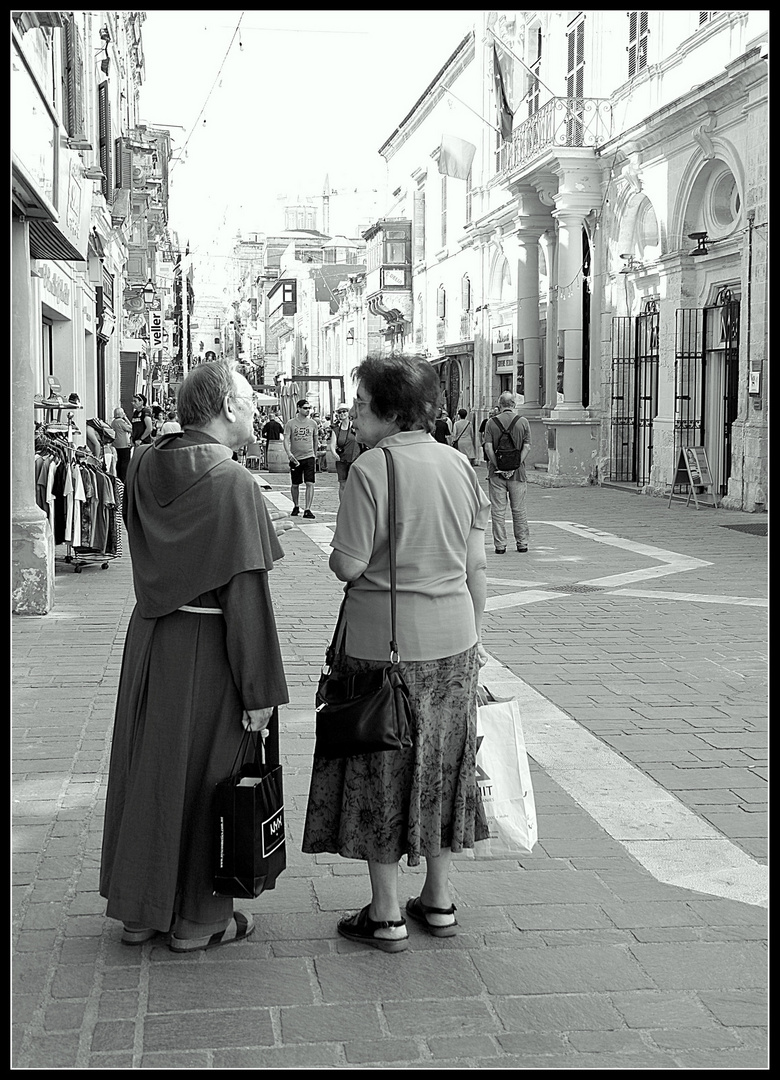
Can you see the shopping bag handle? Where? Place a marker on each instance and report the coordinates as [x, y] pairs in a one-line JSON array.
[[259, 752]]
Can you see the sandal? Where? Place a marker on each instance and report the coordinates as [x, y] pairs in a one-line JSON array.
[[138, 937], [423, 914], [239, 927], [387, 936]]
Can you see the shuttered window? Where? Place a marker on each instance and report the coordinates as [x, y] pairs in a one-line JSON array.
[[105, 146], [444, 211], [637, 41], [468, 198], [73, 79], [575, 81]]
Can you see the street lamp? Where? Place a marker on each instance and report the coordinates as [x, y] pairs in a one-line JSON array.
[[149, 293]]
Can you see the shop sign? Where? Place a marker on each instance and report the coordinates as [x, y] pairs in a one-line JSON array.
[[34, 129], [156, 326], [502, 339], [56, 287]]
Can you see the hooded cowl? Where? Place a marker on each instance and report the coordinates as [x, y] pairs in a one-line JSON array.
[[195, 518]]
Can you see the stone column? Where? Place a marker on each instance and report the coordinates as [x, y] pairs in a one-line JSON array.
[[569, 282], [32, 555], [528, 351]]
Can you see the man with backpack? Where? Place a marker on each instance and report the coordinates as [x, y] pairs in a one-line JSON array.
[[507, 445]]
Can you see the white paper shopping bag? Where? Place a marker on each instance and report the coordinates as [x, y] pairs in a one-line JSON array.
[[504, 776]]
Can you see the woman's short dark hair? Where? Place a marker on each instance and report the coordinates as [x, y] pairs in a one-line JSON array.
[[140, 397], [401, 385], [203, 392]]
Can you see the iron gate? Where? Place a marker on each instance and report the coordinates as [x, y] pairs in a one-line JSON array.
[[634, 394], [706, 381]]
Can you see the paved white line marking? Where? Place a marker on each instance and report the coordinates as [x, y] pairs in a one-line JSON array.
[[673, 843], [701, 598]]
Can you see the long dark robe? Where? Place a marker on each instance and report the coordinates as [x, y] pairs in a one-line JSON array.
[[186, 678]]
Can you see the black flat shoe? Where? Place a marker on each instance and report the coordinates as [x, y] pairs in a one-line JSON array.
[[387, 936], [421, 913]]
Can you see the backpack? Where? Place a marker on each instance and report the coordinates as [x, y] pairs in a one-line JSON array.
[[507, 454]]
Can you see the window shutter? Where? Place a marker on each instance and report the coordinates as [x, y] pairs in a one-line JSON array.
[[104, 132], [465, 294], [444, 211], [441, 302], [124, 163], [419, 226], [73, 79]]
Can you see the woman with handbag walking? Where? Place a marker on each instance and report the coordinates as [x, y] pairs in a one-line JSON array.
[[420, 802]]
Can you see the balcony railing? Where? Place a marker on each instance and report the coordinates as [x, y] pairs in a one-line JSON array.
[[560, 122]]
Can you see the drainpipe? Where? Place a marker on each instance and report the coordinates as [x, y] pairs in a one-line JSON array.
[[751, 217]]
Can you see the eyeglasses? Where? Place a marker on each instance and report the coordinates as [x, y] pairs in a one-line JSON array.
[[304, 406]]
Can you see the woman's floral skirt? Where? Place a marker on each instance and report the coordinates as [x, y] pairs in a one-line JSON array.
[[409, 802]]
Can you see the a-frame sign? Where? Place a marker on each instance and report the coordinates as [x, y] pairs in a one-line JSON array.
[[693, 469]]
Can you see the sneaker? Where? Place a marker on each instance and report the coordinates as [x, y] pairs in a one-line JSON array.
[[295, 511], [387, 936], [308, 514], [500, 551], [521, 548]]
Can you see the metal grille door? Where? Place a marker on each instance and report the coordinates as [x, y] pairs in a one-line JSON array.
[[634, 395]]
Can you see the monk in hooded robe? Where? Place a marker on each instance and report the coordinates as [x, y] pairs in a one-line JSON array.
[[201, 664]]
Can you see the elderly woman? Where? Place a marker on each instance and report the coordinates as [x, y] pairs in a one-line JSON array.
[[422, 802]]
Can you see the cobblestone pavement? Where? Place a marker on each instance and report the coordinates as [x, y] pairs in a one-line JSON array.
[[634, 635]]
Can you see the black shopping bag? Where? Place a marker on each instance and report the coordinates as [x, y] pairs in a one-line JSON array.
[[249, 828]]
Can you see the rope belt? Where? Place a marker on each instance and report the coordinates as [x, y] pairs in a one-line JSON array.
[[201, 610]]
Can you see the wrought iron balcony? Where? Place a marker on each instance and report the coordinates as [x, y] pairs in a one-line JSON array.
[[561, 122]]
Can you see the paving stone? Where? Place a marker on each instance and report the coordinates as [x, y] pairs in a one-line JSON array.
[[607, 1042], [67, 1016], [452, 1017], [381, 1050], [712, 1037], [113, 1035], [653, 913], [703, 966], [329, 1023], [177, 987], [574, 969], [661, 1009], [50, 1052], [440, 974], [277, 1057], [558, 916], [737, 1008], [210, 1029]]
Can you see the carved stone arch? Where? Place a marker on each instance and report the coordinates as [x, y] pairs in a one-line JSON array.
[[687, 212], [500, 278]]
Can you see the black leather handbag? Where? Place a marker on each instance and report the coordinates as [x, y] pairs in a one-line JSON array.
[[364, 712]]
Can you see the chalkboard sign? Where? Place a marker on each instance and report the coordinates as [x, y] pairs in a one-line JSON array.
[[693, 469]]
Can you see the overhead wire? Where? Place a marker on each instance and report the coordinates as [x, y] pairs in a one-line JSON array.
[[236, 34]]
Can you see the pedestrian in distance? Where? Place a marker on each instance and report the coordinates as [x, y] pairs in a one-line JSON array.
[[201, 664], [141, 420], [508, 484], [343, 444], [442, 427], [123, 429], [272, 431], [301, 435], [170, 424], [422, 803], [463, 436], [493, 412]]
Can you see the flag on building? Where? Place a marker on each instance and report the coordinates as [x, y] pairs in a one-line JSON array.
[[503, 111], [455, 157]]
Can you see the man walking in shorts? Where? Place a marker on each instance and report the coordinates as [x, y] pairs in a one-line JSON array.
[[300, 444]]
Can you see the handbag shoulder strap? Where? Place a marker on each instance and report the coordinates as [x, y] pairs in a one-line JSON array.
[[394, 656], [330, 652]]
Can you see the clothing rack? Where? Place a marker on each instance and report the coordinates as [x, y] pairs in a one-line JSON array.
[[57, 439]]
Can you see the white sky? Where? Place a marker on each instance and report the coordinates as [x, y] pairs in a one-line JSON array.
[[305, 94]]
